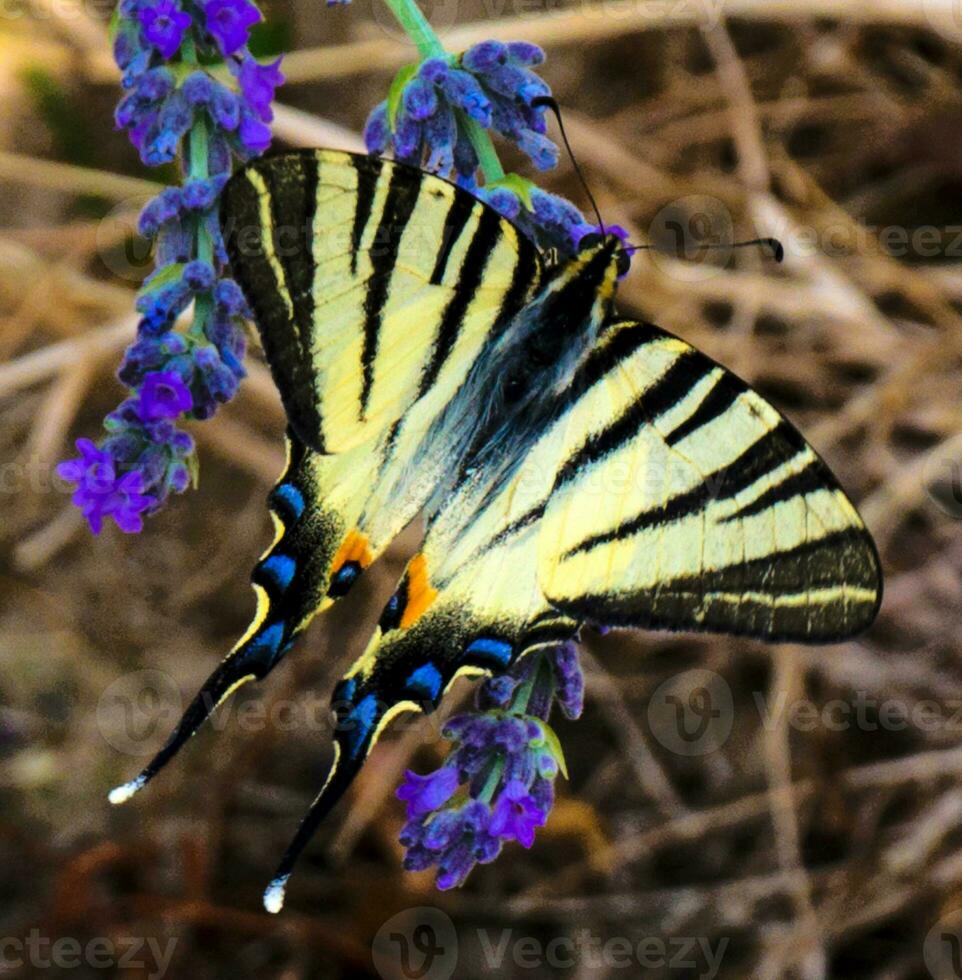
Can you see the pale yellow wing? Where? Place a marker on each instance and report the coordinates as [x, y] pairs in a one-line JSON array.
[[685, 501], [372, 283]]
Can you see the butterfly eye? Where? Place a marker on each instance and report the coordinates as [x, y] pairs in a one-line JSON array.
[[591, 240], [624, 263]]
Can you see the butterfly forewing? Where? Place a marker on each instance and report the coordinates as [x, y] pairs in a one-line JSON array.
[[685, 501], [372, 283]]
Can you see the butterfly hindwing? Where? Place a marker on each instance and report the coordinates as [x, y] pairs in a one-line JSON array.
[[685, 501], [372, 283]]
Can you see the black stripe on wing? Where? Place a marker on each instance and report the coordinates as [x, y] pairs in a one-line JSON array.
[[293, 203], [368, 170], [721, 397], [754, 598], [483, 242], [688, 369], [813, 477], [776, 447], [455, 222], [250, 247], [402, 196]]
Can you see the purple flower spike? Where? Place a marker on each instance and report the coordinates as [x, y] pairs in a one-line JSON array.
[[257, 83], [229, 22], [164, 24], [100, 494], [163, 395], [426, 793], [377, 131], [516, 815], [569, 679], [254, 136], [143, 457]]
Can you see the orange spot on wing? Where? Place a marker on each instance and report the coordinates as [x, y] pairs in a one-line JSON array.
[[354, 547], [420, 593]]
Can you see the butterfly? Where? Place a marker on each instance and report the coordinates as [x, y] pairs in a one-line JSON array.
[[571, 465]]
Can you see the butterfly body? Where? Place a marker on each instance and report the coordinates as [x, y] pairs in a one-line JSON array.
[[570, 465]]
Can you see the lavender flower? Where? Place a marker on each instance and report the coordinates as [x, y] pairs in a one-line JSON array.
[[423, 121], [163, 26], [160, 46], [497, 785], [490, 83], [229, 22]]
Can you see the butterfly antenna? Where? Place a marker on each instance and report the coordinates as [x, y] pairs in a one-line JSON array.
[[547, 102], [773, 244]]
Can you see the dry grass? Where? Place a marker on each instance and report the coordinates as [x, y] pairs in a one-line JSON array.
[[816, 841]]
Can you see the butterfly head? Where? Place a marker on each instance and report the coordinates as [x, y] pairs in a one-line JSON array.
[[608, 245]]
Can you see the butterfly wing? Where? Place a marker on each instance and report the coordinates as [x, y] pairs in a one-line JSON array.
[[372, 283], [374, 287], [468, 604], [685, 501]]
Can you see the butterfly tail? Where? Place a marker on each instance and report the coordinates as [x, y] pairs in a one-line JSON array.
[[246, 663], [353, 741]]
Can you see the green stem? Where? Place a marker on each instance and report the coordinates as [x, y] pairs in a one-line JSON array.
[[417, 28], [491, 783], [519, 702], [197, 169], [487, 154]]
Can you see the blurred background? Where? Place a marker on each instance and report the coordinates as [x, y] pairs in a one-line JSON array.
[[734, 809]]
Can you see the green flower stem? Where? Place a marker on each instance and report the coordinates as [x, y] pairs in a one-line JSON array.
[[491, 783], [519, 702], [429, 45], [487, 154], [197, 169]]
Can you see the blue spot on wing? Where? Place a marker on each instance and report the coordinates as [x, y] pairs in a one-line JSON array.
[[425, 681], [268, 640], [359, 723], [344, 578], [281, 569], [489, 649], [344, 691], [291, 498]]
